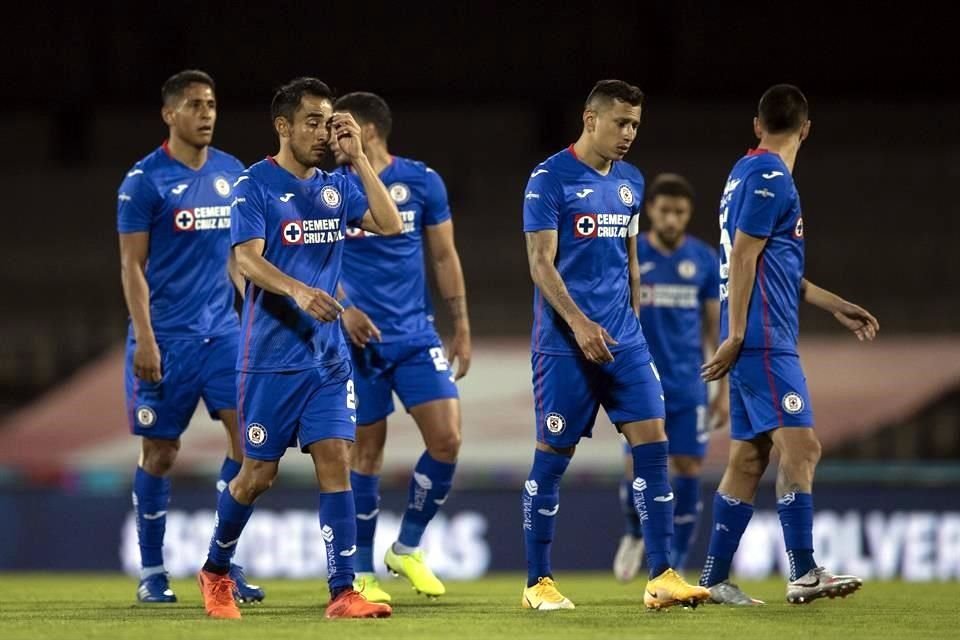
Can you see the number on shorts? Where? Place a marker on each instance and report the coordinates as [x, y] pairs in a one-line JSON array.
[[439, 359], [351, 396]]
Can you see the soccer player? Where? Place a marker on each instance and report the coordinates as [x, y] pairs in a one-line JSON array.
[[395, 347], [761, 285], [173, 219], [580, 217], [679, 308], [294, 373]]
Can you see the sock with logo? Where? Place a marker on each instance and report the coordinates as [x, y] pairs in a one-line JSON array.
[[428, 490], [630, 517], [796, 520], [653, 500], [685, 514], [366, 499], [228, 471], [541, 502], [338, 530], [151, 495], [730, 519], [231, 519]]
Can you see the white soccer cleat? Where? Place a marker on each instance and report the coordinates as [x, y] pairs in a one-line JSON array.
[[819, 583], [626, 564]]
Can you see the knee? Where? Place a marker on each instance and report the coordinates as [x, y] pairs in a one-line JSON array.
[[445, 448], [366, 457], [251, 482], [158, 456], [752, 465], [689, 466], [803, 457]]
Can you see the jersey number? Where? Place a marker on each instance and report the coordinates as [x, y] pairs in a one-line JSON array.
[[726, 246], [439, 359], [351, 396]]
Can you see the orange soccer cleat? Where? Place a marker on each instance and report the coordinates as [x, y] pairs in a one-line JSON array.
[[352, 604], [217, 593]]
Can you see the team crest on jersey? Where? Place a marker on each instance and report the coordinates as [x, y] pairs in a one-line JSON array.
[[222, 186], [292, 232], [585, 225], [792, 403], [626, 195], [183, 220], [798, 230], [146, 417], [256, 434], [399, 192], [555, 423], [330, 197], [687, 269]]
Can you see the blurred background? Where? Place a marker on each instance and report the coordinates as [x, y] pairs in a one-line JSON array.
[[482, 93]]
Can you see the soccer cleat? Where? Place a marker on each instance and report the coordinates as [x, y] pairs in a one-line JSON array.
[[369, 586], [669, 589], [727, 592], [544, 596], [155, 589], [352, 604], [243, 591], [413, 567], [626, 564], [217, 594], [818, 583]]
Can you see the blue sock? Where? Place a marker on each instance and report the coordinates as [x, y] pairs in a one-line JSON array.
[[653, 500], [730, 519], [231, 519], [338, 529], [541, 501], [151, 495], [366, 499], [685, 515], [796, 520], [630, 516], [228, 471], [428, 490]]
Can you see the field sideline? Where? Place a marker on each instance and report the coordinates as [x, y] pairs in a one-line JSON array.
[[34, 606]]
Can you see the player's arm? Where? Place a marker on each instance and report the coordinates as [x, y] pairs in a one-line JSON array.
[[742, 275], [719, 410], [541, 254], [449, 273], [852, 316], [255, 268], [358, 325], [134, 249], [235, 276], [634, 262]]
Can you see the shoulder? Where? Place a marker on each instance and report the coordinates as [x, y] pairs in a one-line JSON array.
[[701, 249], [147, 168], [552, 171], [629, 172], [224, 161]]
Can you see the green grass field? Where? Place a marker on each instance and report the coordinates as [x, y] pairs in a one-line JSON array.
[[101, 606]]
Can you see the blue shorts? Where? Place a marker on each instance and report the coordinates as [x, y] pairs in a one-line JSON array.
[[192, 368], [687, 433], [416, 369], [767, 390], [279, 408], [568, 391]]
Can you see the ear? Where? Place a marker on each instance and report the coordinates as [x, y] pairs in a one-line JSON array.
[[589, 120], [757, 131], [281, 126], [166, 113], [805, 130]]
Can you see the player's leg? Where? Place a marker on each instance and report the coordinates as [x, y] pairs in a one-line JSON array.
[[629, 556], [688, 436]]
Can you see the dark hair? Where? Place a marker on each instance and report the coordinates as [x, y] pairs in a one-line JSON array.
[[610, 90], [670, 184], [288, 97], [783, 109], [178, 82], [367, 107]]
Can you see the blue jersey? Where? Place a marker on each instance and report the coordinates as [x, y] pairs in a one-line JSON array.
[[302, 223], [592, 214], [187, 214], [761, 200], [385, 276], [673, 291]]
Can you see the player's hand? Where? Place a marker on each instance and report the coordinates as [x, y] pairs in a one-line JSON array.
[[722, 360], [146, 361], [459, 351], [593, 340], [858, 320], [359, 327], [347, 132], [718, 413], [318, 303]]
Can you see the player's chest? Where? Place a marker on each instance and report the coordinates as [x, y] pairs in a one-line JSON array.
[[305, 216], [196, 204], [598, 210], [671, 283]]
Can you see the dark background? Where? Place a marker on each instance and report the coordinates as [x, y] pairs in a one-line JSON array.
[[482, 93]]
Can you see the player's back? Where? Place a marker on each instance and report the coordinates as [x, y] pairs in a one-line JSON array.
[[593, 215], [302, 223], [760, 199], [186, 211], [385, 277]]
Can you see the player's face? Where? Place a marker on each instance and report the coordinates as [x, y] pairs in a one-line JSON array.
[[309, 133], [615, 128], [192, 114], [669, 217]]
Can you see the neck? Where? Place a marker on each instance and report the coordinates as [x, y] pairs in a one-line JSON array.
[[785, 146], [190, 155], [660, 243], [378, 155], [587, 155], [285, 159]]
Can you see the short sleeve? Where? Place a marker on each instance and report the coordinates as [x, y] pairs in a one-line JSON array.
[[436, 209], [247, 215], [137, 202], [764, 201], [542, 201], [710, 289], [355, 203], [633, 229]]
